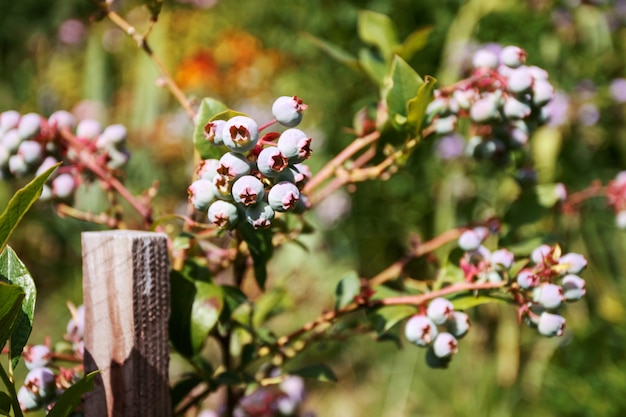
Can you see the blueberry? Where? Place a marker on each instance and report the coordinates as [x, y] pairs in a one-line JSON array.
[[484, 58], [469, 240], [516, 109], [440, 310], [295, 145], [40, 381], [62, 119], [36, 356], [620, 219], [28, 400], [519, 80], [550, 296], [464, 98], [513, 56], [76, 326], [9, 119], [502, 257], [207, 169], [283, 196], [445, 125], [542, 92], [214, 132], [18, 166], [434, 361], [223, 214], [271, 161], [63, 186], [248, 190], [459, 324], [260, 215], [485, 109], [574, 262], [288, 110], [201, 194], [445, 345], [551, 324], [420, 330], [527, 279], [88, 129], [117, 158], [233, 165], [113, 135], [240, 134], [573, 287], [31, 151], [222, 187], [541, 254], [30, 125], [11, 140]]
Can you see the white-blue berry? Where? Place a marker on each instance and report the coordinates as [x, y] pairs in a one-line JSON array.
[[223, 214], [573, 287], [11, 140], [283, 196], [41, 382], [201, 194], [32, 151], [519, 80], [113, 135], [484, 58], [551, 324], [62, 119], [37, 356], [540, 254], [459, 324], [214, 132], [515, 109], [240, 134], [512, 56], [574, 262], [18, 166], [28, 400], [440, 310], [549, 296], [63, 186], [260, 215], [445, 345], [88, 129], [469, 240], [222, 186], [271, 161], [46, 165], [295, 145], [207, 169], [445, 125], [288, 110], [29, 126], [248, 190], [9, 119], [542, 92], [526, 279], [503, 258], [485, 109], [233, 165], [420, 330]]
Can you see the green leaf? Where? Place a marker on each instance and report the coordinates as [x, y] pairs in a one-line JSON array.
[[261, 250], [547, 194], [378, 30], [11, 297], [417, 105], [320, 372], [348, 287], [415, 42], [5, 404], [229, 378], [401, 85], [19, 205], [233, 298], [372, 65], [334, 51], [67, 402], [13, 271], [468, 300], [182, 290], [268, 305], [385, 318], [209, 107], [154, 6], [206, 308]]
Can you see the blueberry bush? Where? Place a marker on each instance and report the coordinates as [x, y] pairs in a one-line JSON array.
[[382, 209]]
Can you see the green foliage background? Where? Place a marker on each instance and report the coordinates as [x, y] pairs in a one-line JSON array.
[[502, 369]]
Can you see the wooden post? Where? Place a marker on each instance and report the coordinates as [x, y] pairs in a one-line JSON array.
[[126, 298]]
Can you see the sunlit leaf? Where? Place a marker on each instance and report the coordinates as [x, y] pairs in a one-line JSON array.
[[71, 397], [417, 105], [385, 318], [209, 107], [348, 287], [206, 308], [401, 85], [13, 271], [378, 30], [415, 42], [19, 205]]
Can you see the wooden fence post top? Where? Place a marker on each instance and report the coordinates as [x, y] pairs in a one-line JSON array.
[[126, 298]]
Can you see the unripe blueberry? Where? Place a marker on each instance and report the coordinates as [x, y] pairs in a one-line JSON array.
[[473, 144], [303, 204], [459, 324], [248, 190], [518, 133], [484, 58], [573, 287], [117, 158], [574, 261], [201, 194], [540, 254], [30, 125], [494, 276], [440, 310], [112, 135], [222, 187], [295, 145], [437, 106], [214, 132], [435, 361], [550, 296], [519, 80], [62, 119], [207, 169], [36, 356], [233, 165], [271, 161], [469, 240], [11, 140], [283, 196], [526, 279], [445, 345], [512, 56], [260, 215], [293, 386], [9, 119], [88, 129], [63, 186], [464, 98], [31, 151], [445, 125], [240, 134], [551, 324], [304, 174], [46, 165], [485, 109], [41, 382], [420, 330], [28, 400], [538, 73], [17, 165], [46, 193], [515, 109], [542, 93], [502, 257], [223, 214], [288, 110]]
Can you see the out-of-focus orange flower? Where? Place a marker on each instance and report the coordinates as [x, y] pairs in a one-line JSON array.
[[197, 71]]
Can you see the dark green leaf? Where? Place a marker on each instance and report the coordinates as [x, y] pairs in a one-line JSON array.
[[19, 205], [373, 65], [72, 396], [11, 297], [385, 318], [320, 372], [348, 288], [182, 388], [5, 404], [417, 105], [155, 8], [334, 51], [378, 30], [229, 378], [261, 250], [13, 271], [183, 292], [206, 308], [208, 109], [401, 85], [415, 42], [233, 298]]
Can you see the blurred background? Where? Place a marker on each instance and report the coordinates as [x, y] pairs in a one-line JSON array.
[[56, 55]]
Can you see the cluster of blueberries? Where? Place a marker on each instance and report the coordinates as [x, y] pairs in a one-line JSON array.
[[503, 98], [258, 175], [46, 380], [31, 143], [547, 281]]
